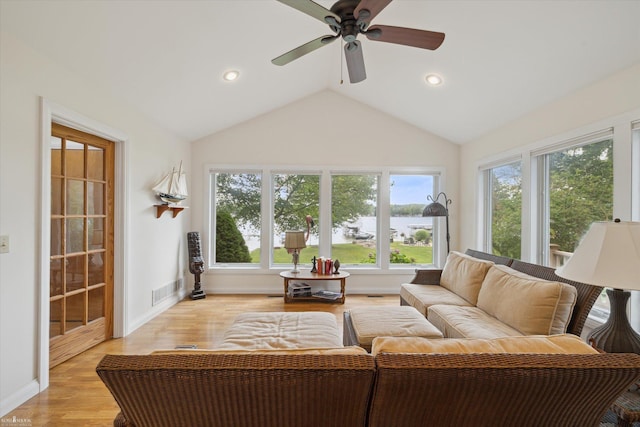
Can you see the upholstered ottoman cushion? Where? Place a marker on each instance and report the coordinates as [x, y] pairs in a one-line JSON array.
[[279, 330], [394, 321]]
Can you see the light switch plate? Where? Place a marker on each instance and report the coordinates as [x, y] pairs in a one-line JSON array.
[[4, 244]]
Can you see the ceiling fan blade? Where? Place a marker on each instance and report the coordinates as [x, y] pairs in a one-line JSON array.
[[312, 9], [303, 50], [355, 62], [372, 6], [407, 36]]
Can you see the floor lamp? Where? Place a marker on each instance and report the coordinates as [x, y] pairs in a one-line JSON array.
[[609, 255], [437, 209]]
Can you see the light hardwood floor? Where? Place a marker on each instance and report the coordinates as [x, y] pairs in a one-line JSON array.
[[77, 397]]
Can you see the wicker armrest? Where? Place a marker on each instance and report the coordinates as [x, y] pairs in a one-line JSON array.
[[427, 277]]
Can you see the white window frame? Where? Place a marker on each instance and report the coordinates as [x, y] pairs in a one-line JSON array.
[[325, 172]]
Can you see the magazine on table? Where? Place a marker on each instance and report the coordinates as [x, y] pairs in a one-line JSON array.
[[327, 295]]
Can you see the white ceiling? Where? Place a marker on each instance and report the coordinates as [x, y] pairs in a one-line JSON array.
[[500, 59]]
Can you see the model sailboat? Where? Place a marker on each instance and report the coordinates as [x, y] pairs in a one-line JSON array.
[[172, 188]]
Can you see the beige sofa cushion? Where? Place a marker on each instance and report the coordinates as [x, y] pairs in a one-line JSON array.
[[468, 322], [352, 349], [554, 344], [423, 296], [531, 305], [280, 330], [396, 321], [463, 275]]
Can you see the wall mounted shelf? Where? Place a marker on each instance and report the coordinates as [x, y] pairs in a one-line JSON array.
[[160, 209]]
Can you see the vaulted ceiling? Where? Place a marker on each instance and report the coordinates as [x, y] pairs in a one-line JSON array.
[[500, 59]]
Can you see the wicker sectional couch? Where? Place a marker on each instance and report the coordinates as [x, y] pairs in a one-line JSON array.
[[524, 381], [479, 295]]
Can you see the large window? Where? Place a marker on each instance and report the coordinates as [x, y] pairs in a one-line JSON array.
[[504, 210], [238, 217], [367, 220], [354, 218], [411, 239]]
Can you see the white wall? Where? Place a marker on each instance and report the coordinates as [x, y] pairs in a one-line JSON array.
[[351, 135], [591, 106], [156, 247]]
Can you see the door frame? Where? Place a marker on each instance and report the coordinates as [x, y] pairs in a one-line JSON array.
[[52, 112]]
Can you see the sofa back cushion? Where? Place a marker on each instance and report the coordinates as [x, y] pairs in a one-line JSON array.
[[540, 344], [531, 305], [463, 275]]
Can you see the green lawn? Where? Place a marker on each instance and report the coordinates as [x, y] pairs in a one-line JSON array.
[[350, 253]]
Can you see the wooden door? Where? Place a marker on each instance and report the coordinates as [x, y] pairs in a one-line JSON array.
[[81, 264]]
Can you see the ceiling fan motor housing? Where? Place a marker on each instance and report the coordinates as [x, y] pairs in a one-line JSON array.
[[349, 28]]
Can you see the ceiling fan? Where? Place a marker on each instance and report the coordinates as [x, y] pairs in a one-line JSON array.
[[347, 19]]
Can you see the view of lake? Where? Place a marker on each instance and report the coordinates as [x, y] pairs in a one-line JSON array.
[[367, 224]]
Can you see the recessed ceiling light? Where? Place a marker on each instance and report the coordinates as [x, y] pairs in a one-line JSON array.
[[433, 79], [231, 75]]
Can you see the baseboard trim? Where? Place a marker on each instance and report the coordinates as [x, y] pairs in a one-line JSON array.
[[18, 398]]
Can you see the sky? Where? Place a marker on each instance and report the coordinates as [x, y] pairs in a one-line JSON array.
[[407, 189]]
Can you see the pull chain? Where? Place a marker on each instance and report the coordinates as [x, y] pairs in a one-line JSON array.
[[341, 62]]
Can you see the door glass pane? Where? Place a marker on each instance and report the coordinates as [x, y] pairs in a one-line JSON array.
[[74, 311], [96, 268], [96, 303], [75, 235], [75, 197], [55, 318], [56, 236], [411, 233], [506, 210], [95, 159], [56, 156], [74, 160], [354, 219], [96, 233], [75, 272], [56, 196], [238, 217], [295, 197], [95, 198], [56, 277]]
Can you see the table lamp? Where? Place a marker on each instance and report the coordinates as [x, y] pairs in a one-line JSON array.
[[437, 209], [293, 242], [609, 255]]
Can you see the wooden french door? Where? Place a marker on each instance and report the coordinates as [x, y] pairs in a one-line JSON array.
[[81, 264]]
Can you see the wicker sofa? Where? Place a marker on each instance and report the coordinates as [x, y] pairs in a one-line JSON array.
[[479, 383], [468, 310]]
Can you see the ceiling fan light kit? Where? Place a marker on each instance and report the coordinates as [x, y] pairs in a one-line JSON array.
[[348, 19]]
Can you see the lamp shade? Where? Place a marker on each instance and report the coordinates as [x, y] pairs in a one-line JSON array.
[[294, 240], [608, 255], [434, 209]]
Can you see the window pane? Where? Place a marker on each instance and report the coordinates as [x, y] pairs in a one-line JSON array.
[[353, 218], [294, 197], [580, 192], [238, 217], [411, 233], [505, 183]]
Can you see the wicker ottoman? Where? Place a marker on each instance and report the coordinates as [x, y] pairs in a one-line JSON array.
[[282, 330], [362, 325]]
